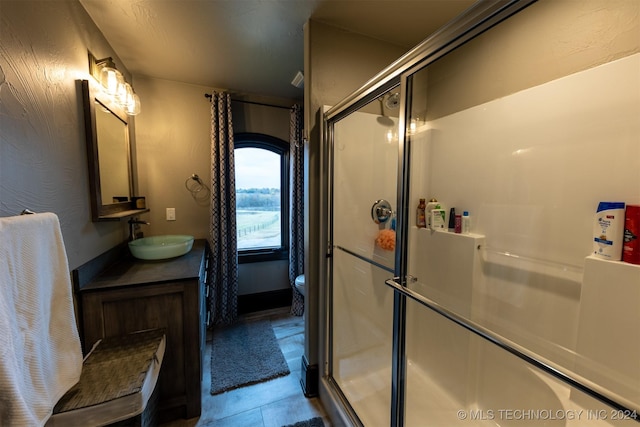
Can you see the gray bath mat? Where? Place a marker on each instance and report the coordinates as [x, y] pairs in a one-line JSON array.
[[245, 353], [313, 422]]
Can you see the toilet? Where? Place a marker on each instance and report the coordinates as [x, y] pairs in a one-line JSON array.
[[300, 286]]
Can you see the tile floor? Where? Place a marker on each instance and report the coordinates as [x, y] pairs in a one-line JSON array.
[[272, 403]]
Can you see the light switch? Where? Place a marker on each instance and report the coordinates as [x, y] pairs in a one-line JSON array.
[[171, 214]]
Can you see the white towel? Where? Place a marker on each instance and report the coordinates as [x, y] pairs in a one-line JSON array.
[[40, 354]]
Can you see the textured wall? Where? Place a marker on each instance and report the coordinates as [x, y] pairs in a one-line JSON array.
[[172, 142], [43, 161]]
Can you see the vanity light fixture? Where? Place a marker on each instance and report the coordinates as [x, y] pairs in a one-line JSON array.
[[113, 84]]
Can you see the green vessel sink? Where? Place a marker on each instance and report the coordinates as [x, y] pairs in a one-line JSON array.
[[161, 247]]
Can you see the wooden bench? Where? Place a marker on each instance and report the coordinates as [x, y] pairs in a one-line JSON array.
[[117, 386]]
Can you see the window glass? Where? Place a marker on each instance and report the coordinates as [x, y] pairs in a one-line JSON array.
[[258, 198]]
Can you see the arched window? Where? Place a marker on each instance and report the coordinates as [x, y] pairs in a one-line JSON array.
[[262, 197]]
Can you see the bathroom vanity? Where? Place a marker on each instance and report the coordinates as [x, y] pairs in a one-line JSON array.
[[131, 295]]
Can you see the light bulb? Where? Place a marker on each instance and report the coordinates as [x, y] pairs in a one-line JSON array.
[[133, 106], [124, 93], [111, 79]]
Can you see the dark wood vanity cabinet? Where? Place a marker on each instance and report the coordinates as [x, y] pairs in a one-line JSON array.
[[135, 295]]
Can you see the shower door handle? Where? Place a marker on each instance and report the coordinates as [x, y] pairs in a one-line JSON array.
[[399, 282]]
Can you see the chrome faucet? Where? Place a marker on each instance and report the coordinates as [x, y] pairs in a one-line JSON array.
[[133, 225]]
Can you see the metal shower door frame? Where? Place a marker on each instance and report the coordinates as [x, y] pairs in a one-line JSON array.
[[475, 21]]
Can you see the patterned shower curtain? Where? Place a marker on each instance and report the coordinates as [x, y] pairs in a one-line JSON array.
[[222, 277], [296, 203]]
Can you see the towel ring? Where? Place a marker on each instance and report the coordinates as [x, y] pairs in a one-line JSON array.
[[194, 184]]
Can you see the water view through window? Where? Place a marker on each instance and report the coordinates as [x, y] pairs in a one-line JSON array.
[[258, 206]]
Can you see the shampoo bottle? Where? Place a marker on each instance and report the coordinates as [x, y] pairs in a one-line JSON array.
[[437, 218], [458, 224], [608, 231], [631, 245], [452, 219], [466, 223], [430, 206], [421, 219]]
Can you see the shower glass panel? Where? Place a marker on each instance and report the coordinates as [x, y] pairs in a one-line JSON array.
[[456, 378], [364, 176], [526, 125], [517, 145]]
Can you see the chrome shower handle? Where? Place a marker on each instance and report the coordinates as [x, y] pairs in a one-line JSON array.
[[381, 211]]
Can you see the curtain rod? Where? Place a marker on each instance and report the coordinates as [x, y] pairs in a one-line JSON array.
[[208, 95]]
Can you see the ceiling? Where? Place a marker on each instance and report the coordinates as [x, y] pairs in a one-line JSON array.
[[250, 46]]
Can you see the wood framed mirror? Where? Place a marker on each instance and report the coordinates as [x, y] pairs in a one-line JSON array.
[[108, 136]]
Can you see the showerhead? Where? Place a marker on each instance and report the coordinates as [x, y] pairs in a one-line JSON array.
[[393, 101], [382, 119]]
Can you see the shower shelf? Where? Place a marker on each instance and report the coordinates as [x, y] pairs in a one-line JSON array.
[[449, 233], [510, 259], [513, 260]]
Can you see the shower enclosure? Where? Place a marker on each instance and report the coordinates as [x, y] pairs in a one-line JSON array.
[[526, 115]]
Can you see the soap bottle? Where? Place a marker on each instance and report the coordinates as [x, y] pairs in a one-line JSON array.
[[437, 218], [430, 206], [421, 220], [452, 220], [458, 224], [466, 223], [631, 244]]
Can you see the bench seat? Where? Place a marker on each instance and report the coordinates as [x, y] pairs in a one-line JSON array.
[[117, 383]]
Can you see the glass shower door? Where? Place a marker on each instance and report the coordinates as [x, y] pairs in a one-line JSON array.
[[364, 176], [517, 322], [519, 158]]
